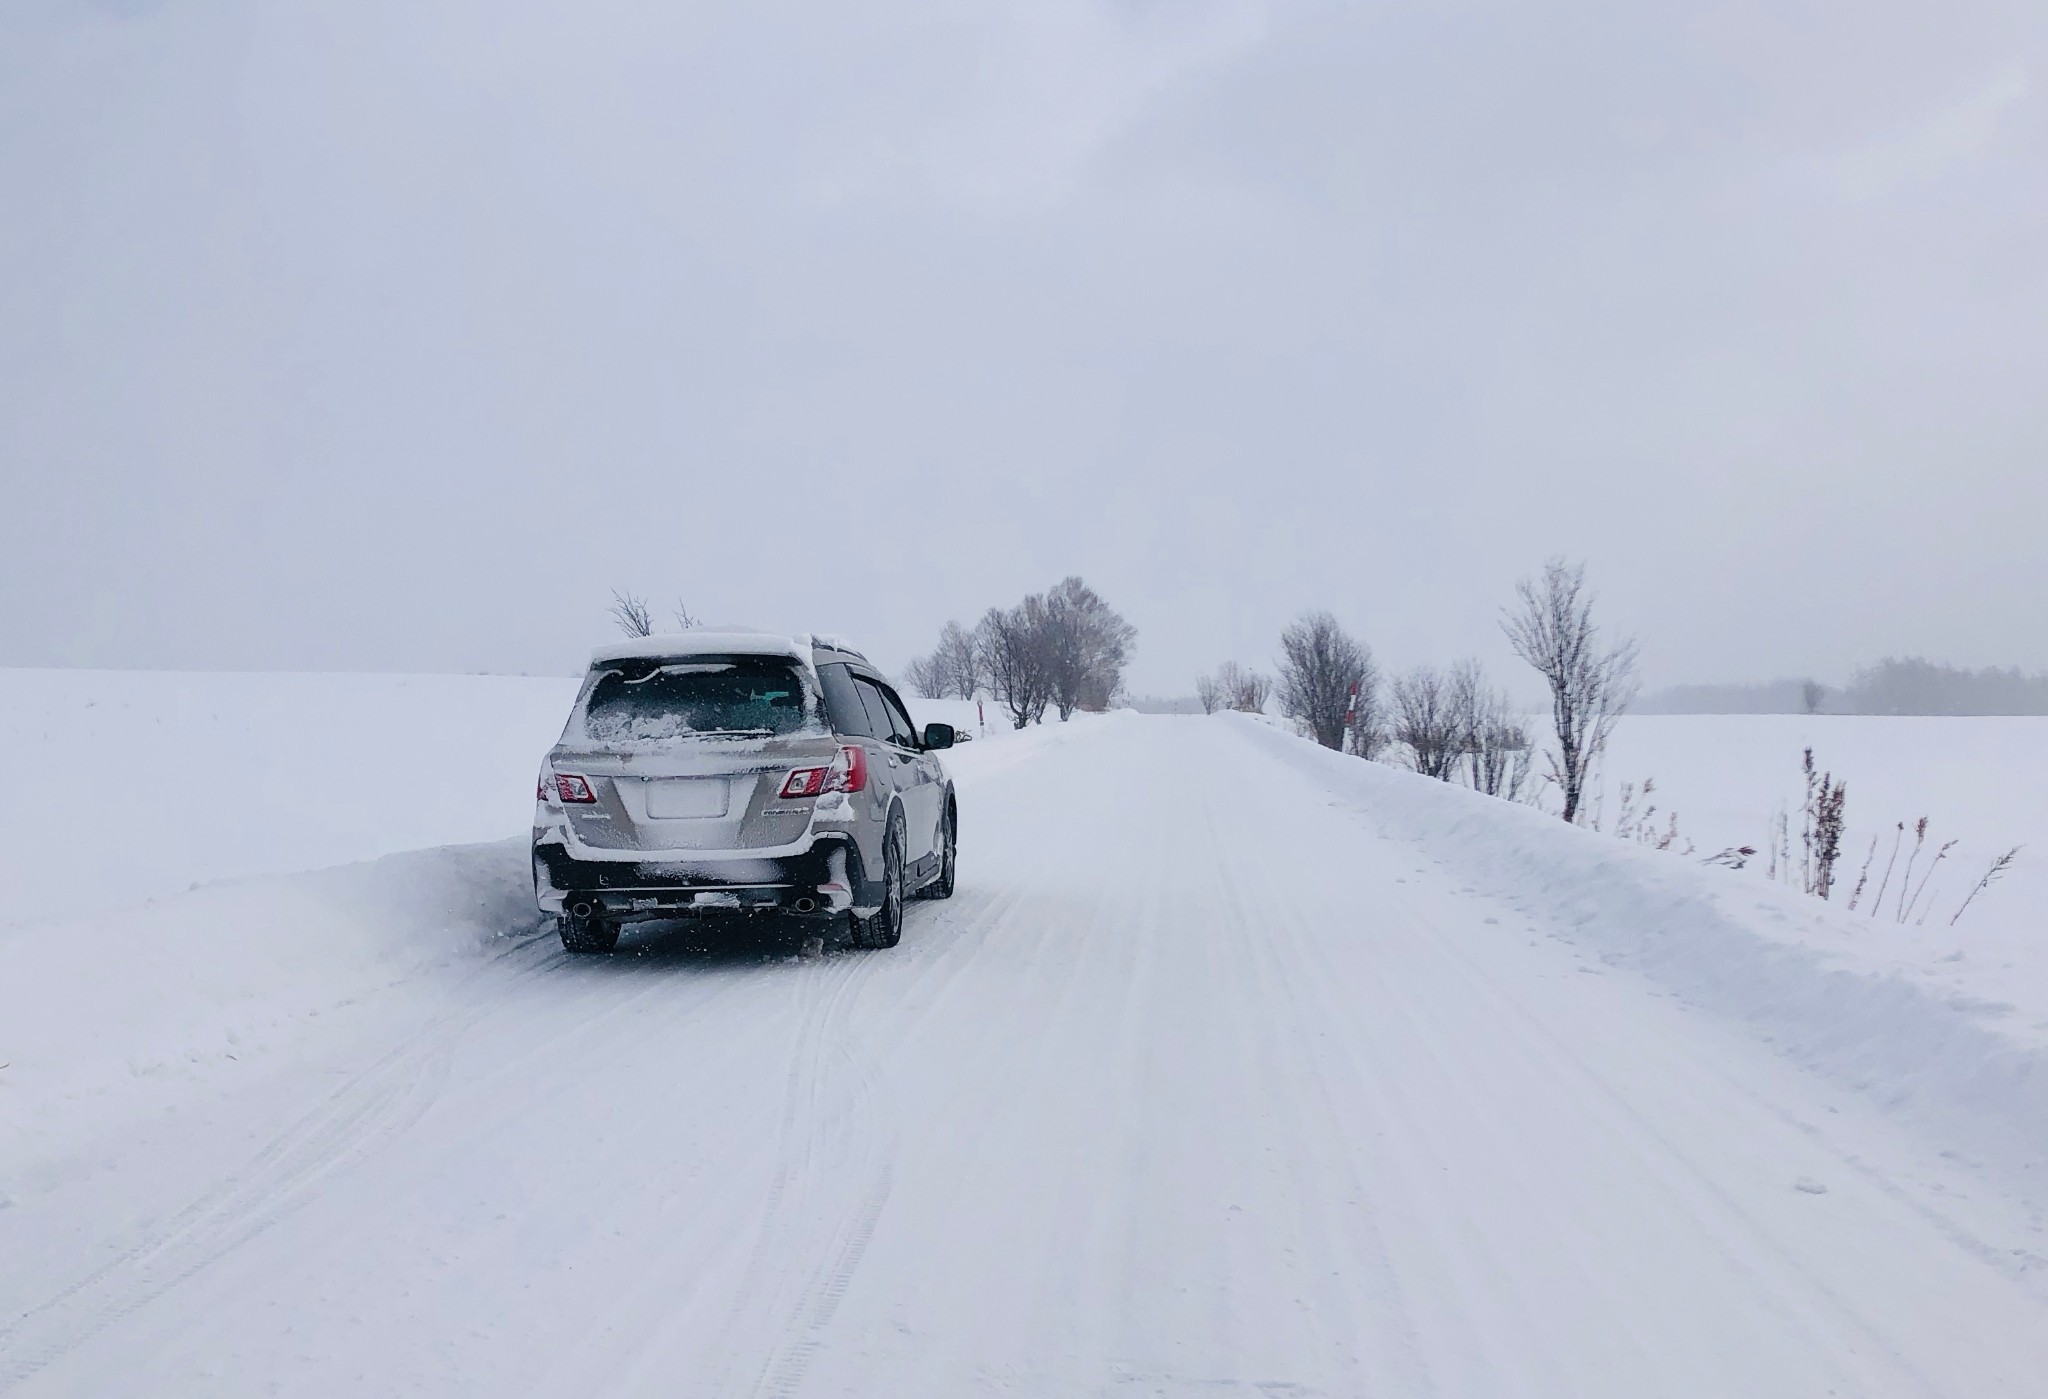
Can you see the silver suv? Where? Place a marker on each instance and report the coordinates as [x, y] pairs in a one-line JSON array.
[[725, 772]]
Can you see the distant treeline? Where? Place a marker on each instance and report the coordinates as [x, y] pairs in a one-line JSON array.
[[1892, 686]]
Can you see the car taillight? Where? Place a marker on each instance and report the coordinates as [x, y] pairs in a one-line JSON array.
[[805, 782], [847, 773], [571, 788]]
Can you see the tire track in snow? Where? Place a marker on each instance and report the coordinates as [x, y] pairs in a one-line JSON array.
[[832, 1133], [828, 1130], [1326, 1158], [373, 1108], [359, 1119], [830, 1184], [1442, 1079], [791, 1360], [1812, 1317], [829, 1164]]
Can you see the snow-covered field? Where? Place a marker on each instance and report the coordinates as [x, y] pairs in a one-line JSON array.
[[1980, 781], [1235, 1067], [145, 783]]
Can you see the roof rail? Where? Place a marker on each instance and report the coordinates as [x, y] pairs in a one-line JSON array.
[[838, 643]]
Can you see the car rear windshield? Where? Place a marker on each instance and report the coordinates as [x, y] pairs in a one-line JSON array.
[[705, 696]]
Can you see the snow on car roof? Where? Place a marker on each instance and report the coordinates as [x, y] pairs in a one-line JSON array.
[[835, 643], [721, 641], [703, 641]]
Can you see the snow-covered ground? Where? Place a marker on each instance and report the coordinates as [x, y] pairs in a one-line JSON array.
[[1233, 1068], [1981, 781], [217, 965], [145, 783]]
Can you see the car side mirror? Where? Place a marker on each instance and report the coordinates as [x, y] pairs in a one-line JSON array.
[[938, 735]]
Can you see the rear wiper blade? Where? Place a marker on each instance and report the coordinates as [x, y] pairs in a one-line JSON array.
[[735, 733]]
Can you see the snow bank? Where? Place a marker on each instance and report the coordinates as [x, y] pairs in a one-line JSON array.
[[147, 782], [1979, 780], [114, 1017], [999, 748], [1972, 1072]]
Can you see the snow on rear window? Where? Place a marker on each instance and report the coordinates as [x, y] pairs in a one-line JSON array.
[[730, 696]]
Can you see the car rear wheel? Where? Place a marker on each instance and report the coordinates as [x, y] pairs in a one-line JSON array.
[[884, 928], [587, 934]]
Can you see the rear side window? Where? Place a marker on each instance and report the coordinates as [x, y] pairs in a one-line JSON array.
[[899, 718], [888, 718], [848, 715], [704, 696]]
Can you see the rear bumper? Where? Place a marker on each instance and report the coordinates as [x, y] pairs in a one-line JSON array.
[[824, 878]]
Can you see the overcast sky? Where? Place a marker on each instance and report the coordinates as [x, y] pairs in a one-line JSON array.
[[389, 334]]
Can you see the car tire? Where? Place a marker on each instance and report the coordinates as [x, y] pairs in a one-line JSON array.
[[949, 842], [884, 928], [587, 934]]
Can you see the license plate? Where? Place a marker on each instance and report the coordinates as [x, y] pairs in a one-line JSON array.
[[685, 798]]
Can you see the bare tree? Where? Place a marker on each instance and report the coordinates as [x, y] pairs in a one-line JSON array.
[[1811, 695], [1322, 671], [1209, 693], [1495, 744], [959, 668], [1101, 690], [926, 677], [1243, 690], [631, 614], [1591, 682], [1011, 646], [686, 620], [1366, 736], [1085, 644], [1426, 721]]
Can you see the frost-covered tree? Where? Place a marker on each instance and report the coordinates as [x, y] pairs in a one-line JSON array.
[[1321, 670], [1208, 693], [1591, 681]]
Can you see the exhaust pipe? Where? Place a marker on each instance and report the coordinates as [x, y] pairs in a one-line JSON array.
[[806, 905], [582, 908]]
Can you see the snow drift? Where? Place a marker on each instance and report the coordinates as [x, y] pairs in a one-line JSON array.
[[116, 1017], [1765, 956], [148, 782]]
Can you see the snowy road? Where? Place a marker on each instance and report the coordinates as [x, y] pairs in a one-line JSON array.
[[1199, 1087]]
